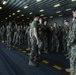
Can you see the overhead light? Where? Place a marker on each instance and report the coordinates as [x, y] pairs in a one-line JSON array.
[[38, 0], [73, 0], [28, 18], [9, 15], [68, 9], [31, 13], [25, 7], [4, 2], [22, 15], [13, 13], [44, 18], [60, 15], [51, 16], [57, 5], [42, 15], [0, 7], [18, 10], [41, 10], [17, 16], [58, 11]]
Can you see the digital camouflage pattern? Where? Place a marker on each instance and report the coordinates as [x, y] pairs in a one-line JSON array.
[[72, 45]]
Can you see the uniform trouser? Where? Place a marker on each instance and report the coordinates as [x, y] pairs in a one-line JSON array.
[[73, 60], [45, 44], [9, 39], [28, 41], [3, 36], [17, 39], [14, 37], [24, 38], [40, 45], [65, 44], [55, 43], [49, 44], [69, 51], [21, 39], [34, 50]]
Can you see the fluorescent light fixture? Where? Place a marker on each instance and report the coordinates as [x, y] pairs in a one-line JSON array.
[[44, 18], [57, 5], [18, 10], [4, 2], [51, 16], [58, 11], [42, 15], [68, 9], [60, 15], [0, 7], [25, 7], [31, 13], [13, 13], [41, 10], [38, 0], [9, 15], [73, 0], [17, 16], [28, 18], [22, 15]]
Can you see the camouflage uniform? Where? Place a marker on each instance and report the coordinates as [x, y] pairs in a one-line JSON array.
[[21, 36], [33, 53], [17, 41], [24, 35], [3, 33], [28, 37], [45, 39], [40, 35], [15, 34], [65, 36], [72, 45], [55, 41], [9, 35]]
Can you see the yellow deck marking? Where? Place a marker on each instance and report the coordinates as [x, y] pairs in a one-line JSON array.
[[57, 67], [45, 61], [28, 49], [20, 49], [24, 51]]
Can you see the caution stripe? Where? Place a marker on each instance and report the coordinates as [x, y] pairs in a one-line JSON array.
[[42, 60], [19, 49], [57, 67], [24, 51], [45, 61]]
